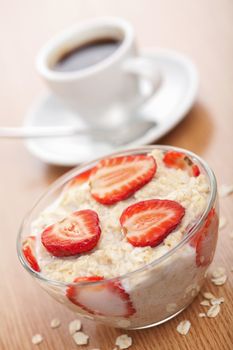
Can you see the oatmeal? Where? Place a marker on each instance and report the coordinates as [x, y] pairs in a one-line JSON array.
[[120, 216], [114, 256]]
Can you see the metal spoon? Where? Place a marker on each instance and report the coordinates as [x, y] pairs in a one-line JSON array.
[[117, 136]]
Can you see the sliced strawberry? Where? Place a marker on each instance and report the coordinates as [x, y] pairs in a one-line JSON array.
[[147, 223], [179, 160], [77, 233], [115, 179], [106, 299], [205, 240], [79, 179], [29, 252]]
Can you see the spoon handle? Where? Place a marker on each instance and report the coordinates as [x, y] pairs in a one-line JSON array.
[[40, 131]]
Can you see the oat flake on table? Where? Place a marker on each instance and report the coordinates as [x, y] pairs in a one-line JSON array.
[[80, 338], [124, 341], [75, 326], [218, 272], [205, 303], [183, 327], [225, 190], [208, 295], [37, 339], [55, 323], [222, 222], [213, 311], [220, 280], [217, 301]]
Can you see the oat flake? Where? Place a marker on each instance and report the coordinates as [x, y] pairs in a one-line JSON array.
[[208, 295], [75, 326], [183, 327], [222, 222], [37, 339], [124, 341], [218, 272], [80, 338], [225, 190], [202, 314], [217, 301], [220, 280], [55, 323], [213, 311]]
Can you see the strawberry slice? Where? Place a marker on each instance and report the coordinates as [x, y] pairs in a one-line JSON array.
[[29, 252], [205, 240], [79, 179], [106, 299], [115, 179], [179, 160], [147, 223], [77, 233]]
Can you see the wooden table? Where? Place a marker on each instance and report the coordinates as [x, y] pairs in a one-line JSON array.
[[203, 30]]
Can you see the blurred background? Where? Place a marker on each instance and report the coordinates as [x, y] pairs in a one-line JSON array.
[[201, 30]]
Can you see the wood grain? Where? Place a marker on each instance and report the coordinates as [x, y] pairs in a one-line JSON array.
[[203, 30]]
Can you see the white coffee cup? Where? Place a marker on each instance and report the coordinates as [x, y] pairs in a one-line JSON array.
[[105, 93]]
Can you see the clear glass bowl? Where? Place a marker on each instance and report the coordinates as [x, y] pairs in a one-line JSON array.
[[158, 291]]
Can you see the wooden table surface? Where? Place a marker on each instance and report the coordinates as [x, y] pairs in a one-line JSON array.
[[203, 30]]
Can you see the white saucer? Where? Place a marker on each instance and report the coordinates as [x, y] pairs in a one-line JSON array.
[[167, 108]]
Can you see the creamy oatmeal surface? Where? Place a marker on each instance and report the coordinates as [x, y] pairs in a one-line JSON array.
[[114, 256]]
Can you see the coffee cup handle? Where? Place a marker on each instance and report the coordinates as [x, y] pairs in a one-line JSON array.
[[144, 68]]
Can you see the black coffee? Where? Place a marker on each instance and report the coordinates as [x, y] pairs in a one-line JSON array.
[[86, 55]]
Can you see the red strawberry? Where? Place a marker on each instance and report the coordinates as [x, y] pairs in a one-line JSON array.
[[106, 299], [77, 233], [205, 240], [179, 160], [115, 179], [29, 252], [79, 179], [147, 223]]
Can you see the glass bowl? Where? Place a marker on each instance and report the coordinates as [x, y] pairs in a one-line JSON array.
[[159, 290]]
